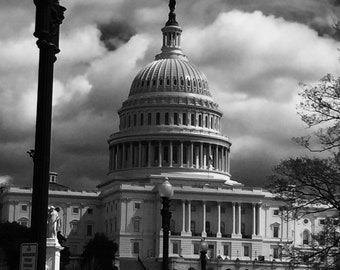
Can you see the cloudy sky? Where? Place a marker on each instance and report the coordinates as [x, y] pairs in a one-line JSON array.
[[253, 52]]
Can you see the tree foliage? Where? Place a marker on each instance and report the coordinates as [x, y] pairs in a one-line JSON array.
[[312, 184], [320, 106], [99, 253], [12, 235]]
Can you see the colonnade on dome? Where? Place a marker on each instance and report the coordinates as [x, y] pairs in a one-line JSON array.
[[171, 154]]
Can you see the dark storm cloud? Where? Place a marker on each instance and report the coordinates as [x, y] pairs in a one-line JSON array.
[[318, 15], [115, 33]]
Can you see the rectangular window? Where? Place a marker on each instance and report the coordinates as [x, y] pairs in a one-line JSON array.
[[222, 210], [90, 211], [137, 205], [89, 230], [135, 248], [275, 212], [275, 252], [322, 222], [226, 250], [24, 207], [246, 251], [196, 248], [276, 231], [75, 210], [175, 248]]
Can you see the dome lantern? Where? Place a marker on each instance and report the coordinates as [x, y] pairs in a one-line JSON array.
[[171, 37]]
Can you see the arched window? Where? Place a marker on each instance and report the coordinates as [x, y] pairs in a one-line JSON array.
[[134, 120], [136, 225], [23, 221], [166, 119], [207, 226], [175, 118], [193, 226], [206, 121], [172, 225], [211, 122], [184, 118], [243, 228], [200, 120], [74, 225], [306, 237], [192, 119], [149, 118], [223, 228], [158, 118], [141, 119]]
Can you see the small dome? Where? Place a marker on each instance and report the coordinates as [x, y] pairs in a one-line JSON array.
[[173, 74]]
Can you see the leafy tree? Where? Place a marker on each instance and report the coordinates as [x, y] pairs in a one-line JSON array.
[[99, 253], [12, 235], [320, 107], [312, 184]]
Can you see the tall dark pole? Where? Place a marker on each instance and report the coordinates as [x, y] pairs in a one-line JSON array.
[[166, 216], [49, 16], [203, 258]]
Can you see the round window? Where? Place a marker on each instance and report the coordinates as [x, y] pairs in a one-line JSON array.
[[305, 221]]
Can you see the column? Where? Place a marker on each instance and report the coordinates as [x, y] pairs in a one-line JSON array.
[[113, 160], [197, 157], [234, 218], [170, 154], [258, 219], [183, 216], [210, 159], [201, 155], [254, 219], [118, 157], [228, 160], [191, 155], [140, 154], [159, 154], [189, 217], [124, 156], [131, 157], [239, 218], [218, 220], [204, 233], [149, 154], [216, 158], [181, 154]]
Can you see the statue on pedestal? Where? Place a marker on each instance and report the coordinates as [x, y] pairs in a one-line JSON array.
[[54, 222]]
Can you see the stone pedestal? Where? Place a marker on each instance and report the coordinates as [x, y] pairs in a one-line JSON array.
[[53, 249]]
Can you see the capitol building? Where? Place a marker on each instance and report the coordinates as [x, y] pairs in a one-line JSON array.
[[170, 129]]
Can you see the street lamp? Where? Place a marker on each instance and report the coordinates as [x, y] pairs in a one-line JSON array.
[[165, 192], [203, 252]]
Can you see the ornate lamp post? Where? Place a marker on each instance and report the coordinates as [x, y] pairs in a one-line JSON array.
[[203, 252], [49, 16], [165, 192]]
